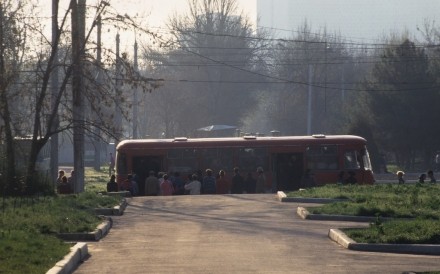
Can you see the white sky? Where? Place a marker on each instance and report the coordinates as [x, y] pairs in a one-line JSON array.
[[357, 19], [360, 19]]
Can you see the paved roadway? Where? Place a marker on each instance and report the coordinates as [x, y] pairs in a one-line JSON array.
[[231, 234]]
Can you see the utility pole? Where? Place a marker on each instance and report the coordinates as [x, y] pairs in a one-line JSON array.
[[97, 143], [343, 83], [309, 103], [118, 84], [78, 37], [54, 86], [135, 98]]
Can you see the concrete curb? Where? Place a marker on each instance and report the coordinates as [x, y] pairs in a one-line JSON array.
[[96, 235], [115, 211], [305, 214], [102, 229], [118, 193], [69, 263], [421, 249], [282, 197], [80, 251]]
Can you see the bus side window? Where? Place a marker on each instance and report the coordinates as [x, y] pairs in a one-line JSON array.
[[251, 158], [351, 160], [216, 159], [182, 159], [121, 166], [322, 157]]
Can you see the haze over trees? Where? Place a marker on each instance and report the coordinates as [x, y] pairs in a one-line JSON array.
[[313, 82], [215, 68], [212, 63]]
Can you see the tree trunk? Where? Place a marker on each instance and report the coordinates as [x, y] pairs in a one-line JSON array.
[[77, 88], [54, 95], [9, 180]]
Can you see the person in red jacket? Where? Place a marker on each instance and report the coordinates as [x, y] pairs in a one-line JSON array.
[[166, 187]]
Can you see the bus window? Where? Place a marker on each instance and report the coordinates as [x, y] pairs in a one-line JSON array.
[[122, 163], [182, 159], [252, 158], [216, 159], [322, 157], [351, 159], [366, 159]]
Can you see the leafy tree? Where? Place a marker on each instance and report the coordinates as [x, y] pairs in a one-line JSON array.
[[307, 60], [402, 98]]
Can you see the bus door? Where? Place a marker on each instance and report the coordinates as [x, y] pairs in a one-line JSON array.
[[288, 169], [142, 166]]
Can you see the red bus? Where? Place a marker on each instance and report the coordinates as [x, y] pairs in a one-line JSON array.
[[284, 159]]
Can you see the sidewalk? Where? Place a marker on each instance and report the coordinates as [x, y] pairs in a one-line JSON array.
[[232, 234]]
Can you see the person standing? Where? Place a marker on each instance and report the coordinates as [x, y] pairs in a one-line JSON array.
[[178, 184], [422, 178], [400, 178], [151, 184], [208, 183], [431, 177], [261, 181], [250, 183], [194, 186], [61, 174], [222, 183], [112, 186], [237, 182], [64, 187], [134, 185], [71, 180], [166, 187]]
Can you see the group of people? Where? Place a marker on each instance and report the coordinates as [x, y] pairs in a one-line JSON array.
[[164, 184], [422, 177], [64, 183]]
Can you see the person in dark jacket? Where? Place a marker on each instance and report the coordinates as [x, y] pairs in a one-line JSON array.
[[208, 183], [237, 182], [112, 186]]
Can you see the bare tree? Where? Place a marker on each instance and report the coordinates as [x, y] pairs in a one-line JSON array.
[[212, 59], [42, 107]]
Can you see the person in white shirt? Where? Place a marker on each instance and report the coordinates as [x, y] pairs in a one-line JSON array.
[[193, 186]]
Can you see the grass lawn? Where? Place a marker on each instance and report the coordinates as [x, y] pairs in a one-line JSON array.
[[420, 202], [28, 225]]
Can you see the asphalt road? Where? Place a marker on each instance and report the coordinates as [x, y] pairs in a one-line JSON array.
[[232, 234]]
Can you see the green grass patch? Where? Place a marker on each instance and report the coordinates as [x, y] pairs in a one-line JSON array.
[[390, 200], [28, 252], [54, 214], [28, 225], [421, 203], [398, 232], [96, 180]]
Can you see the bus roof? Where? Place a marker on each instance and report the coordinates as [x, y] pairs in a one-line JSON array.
[[241, 141]]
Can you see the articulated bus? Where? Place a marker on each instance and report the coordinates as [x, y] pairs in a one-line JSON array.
[[284, 159]]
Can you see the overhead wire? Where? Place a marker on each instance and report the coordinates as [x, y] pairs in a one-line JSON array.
[[275, 79]]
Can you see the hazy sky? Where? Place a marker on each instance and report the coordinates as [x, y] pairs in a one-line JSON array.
[[359, 19], [356, 19]]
